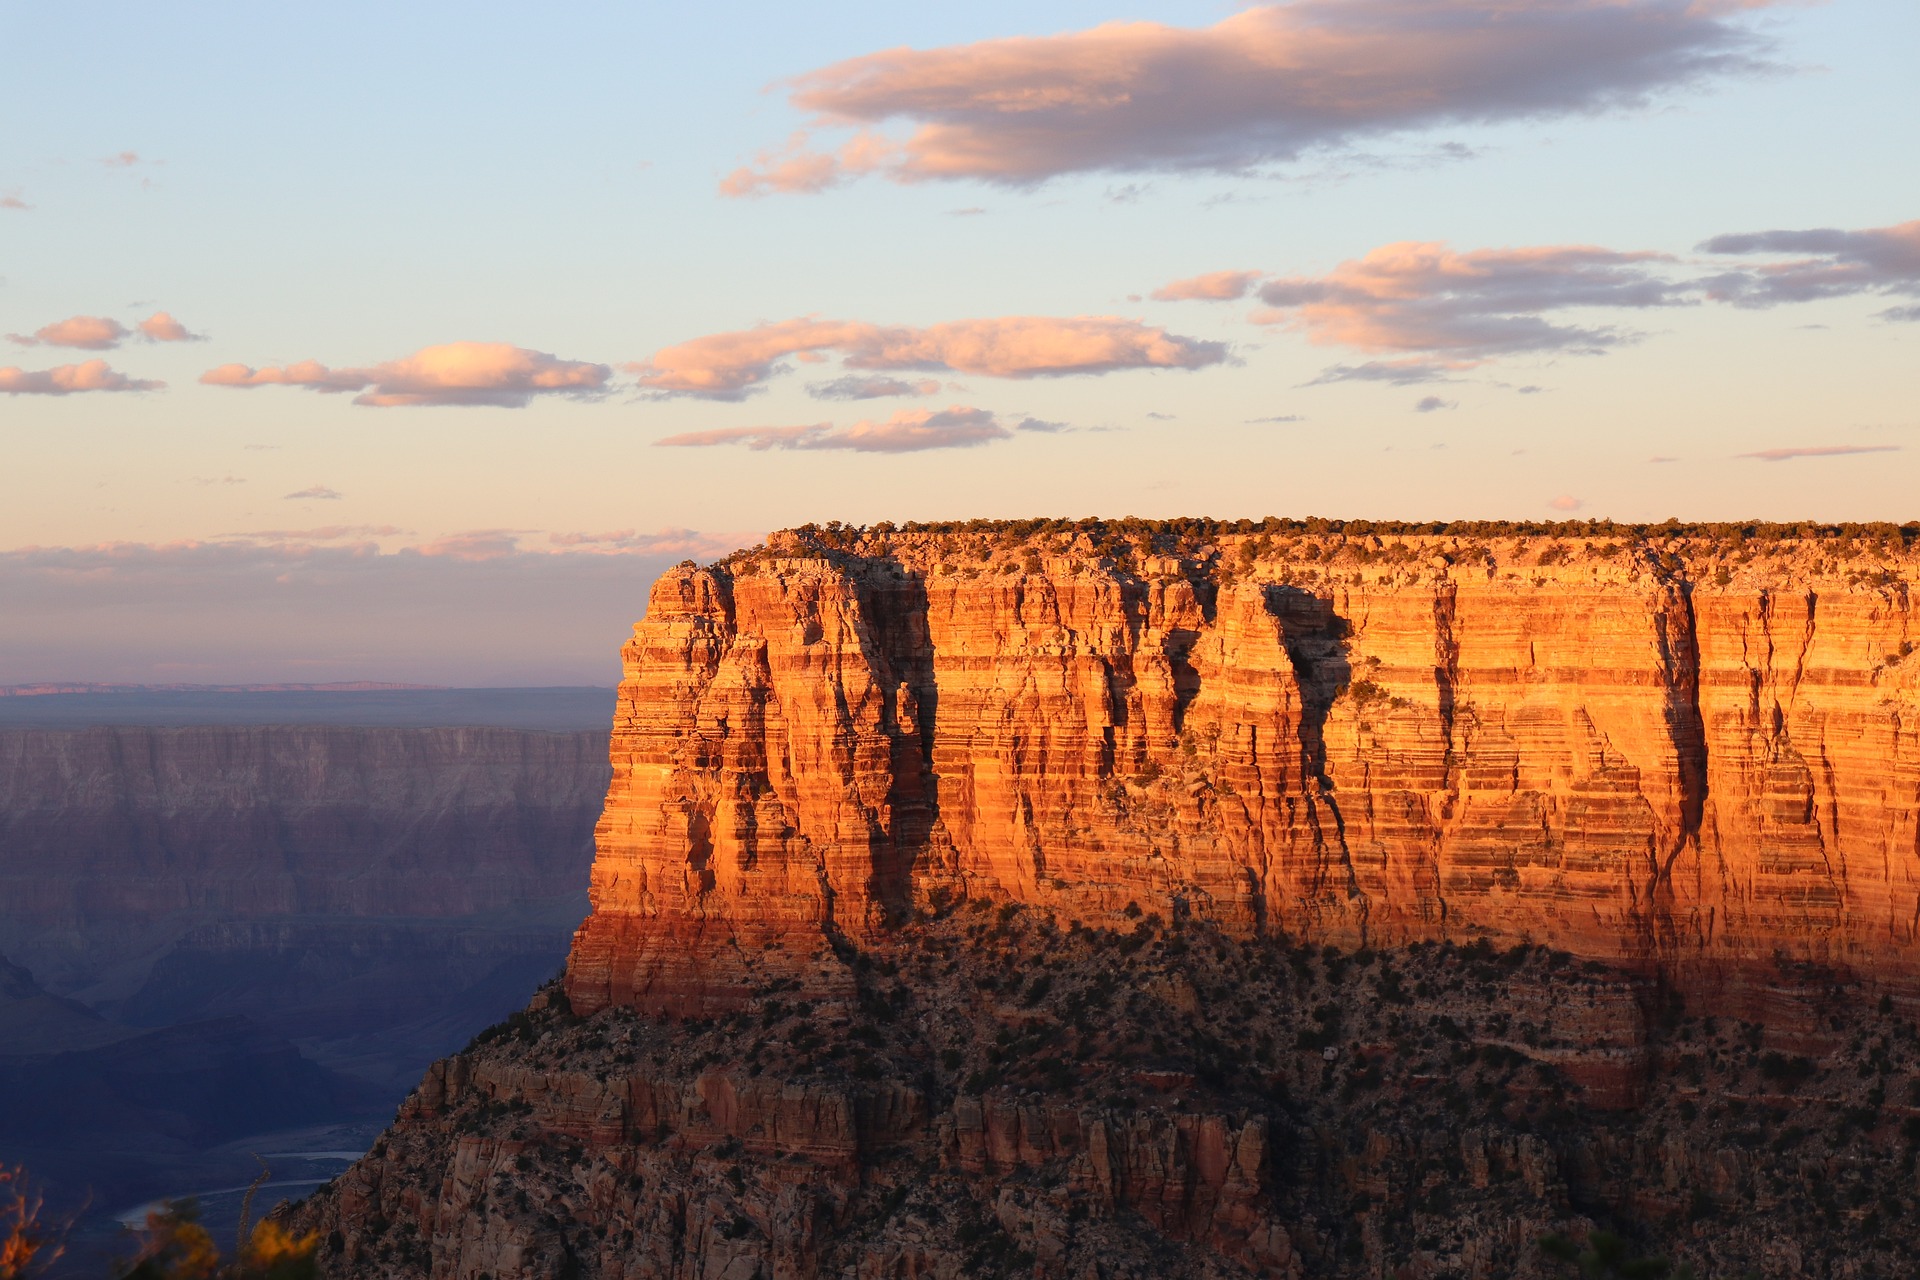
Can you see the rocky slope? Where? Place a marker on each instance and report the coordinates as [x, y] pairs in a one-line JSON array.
[[1673, 756]]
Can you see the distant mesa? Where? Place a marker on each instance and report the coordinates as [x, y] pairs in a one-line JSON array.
[[340, 686]]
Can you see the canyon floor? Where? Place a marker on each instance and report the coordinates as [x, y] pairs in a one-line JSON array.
[[1000, 1096]]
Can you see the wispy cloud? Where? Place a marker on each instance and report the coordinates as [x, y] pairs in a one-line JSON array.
[[1214, 286], [1566, 502], [1433, 404], [1265, 85], [494, 374], [1818, 451], [852, 386], [70, 379], [1278, 418], [319, 491], [1465, 307], [324, 533], [14, 202], [686, 543], [1827, 263], [1395, 373], [908, 431], [731, 366]]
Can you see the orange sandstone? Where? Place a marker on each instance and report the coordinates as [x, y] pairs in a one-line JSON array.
[[1678, 755]]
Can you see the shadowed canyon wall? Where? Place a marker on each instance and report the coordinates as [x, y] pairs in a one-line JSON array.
[[1678, 754]]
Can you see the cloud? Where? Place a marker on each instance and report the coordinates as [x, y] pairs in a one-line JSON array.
[[457, 373], [1278, 418], [1818, 451], [219, 479], [325, 533], [731, 366], [686, 543], [13, 202], [855, 387], [908, 431], [1265, 85], [316, 491], [122, 160], [69, 379], [1566, 502], [1396, 373], [1042, 426], [1830, 264], [1214, 286], [88, 333], [1466, 307], [306, 373], [474, 544], [161, 327], [1429, 404], [325, 604], [1661, 457]]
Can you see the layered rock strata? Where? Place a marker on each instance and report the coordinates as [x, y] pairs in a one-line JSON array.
[[1204, 900], [1685, 755]]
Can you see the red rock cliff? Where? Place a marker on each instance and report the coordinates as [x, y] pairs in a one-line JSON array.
[[1685, 753]]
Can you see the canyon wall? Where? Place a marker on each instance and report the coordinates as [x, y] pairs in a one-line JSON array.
[[1680, 754], [374, 893]]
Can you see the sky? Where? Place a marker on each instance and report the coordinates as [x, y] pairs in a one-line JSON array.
[[358, 342]]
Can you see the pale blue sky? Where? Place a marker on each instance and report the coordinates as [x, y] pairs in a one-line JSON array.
[[351, 183]]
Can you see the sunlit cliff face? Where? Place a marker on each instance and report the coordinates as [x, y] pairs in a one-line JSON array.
[[1681, 753]]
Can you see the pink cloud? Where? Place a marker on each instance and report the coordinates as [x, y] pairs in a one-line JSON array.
[[122, 160], [1831, 264], [162, 327], [13, 202], [69, 379], [89, 333], [1215, 286], [730, 366], [325, 533], [875, 387], [1466, 307], [306, 373], [667, 542], [474, 545], [1261, 86], [908, 431], [457, 373], [1819, 451], [1566, 502]]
